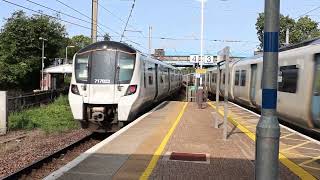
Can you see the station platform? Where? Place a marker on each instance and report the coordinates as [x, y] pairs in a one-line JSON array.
[[176, 140]]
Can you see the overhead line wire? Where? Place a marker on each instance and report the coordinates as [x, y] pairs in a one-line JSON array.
[[98, 24], [116, 16], [125, 27], [62, 13], [47, 15], [308, 12]]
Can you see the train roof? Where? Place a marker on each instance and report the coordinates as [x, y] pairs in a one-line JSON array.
[[315, 41], [120, 46], [109, 45]]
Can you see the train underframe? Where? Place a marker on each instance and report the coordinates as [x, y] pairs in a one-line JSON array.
[[101, 118]]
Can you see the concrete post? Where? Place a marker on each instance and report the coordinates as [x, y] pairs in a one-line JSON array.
[[226, 51], [94, 21], [268, 130], [3, 112]]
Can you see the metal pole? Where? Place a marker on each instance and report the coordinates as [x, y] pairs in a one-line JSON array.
[[226, 51], [217, 92], [287, 37], [42, 64], [201, 39], [150, 33], [94, 21], [66, 61], [268, 130]]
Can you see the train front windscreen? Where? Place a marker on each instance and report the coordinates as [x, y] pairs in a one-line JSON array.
[[104, 67]]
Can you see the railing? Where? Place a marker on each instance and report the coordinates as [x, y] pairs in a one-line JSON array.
[[25, 101]]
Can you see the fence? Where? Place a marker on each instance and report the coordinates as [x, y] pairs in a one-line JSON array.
[[25, 101]]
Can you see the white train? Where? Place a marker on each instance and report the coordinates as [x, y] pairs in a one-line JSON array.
[[112, 82], [298, 83]]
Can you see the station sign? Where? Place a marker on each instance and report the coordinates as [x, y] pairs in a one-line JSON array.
[[207, 59], [201, 71]]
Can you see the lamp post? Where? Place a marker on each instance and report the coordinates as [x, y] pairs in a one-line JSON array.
[[42, 60], [66, 61]]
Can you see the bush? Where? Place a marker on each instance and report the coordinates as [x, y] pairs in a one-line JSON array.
[[55, 117]]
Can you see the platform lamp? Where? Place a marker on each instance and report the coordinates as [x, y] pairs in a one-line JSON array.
[[42, 60], [66, 61]]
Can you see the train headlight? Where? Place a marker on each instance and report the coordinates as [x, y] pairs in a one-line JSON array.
[[74, 89], [131, 90]]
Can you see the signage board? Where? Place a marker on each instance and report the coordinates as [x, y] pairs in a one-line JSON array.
[[207, 59], [201, 71]]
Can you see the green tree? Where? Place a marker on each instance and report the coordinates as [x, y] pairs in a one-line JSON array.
[[20, 49], [304, 28]]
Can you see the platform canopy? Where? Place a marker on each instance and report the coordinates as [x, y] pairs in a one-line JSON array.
[[61, 69]]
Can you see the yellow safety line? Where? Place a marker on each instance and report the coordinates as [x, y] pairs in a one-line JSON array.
[[296, 146], [287, 135], [309, 161], [296, 169], [152, 164], [311, 167]]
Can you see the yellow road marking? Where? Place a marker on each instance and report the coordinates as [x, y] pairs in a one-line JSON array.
[[296, 154], [296, 169], [287, 135], [311, 167], [296, 139], [309, 161], [152, 164], [296, 146]]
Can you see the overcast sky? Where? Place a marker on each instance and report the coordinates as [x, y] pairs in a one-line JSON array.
[[175, 19]]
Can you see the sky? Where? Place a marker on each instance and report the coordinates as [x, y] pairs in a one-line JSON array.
[[176, 20]]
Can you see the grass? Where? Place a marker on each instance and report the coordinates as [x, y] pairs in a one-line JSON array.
[[55, 117]]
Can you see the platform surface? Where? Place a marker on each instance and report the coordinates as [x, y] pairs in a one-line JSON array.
[[142, 150]]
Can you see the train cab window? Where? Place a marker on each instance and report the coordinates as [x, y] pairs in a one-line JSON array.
[[81, 68], [126, 67], [99, 74], [243, 78], [237, 78], [288, 79]]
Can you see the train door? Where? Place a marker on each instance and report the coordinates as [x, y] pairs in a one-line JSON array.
[[169, 79], [156, 80], [315, 107], [253, 83]]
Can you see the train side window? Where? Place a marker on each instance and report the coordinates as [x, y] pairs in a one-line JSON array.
[[288, 79], [237, 78], [223, 78], [243, 78], [144, 75], [213, 77], [150, 80]]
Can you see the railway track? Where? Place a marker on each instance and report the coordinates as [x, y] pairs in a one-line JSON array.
[[37, 165]]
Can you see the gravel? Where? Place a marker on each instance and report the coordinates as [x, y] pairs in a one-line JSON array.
[[61, 161], [21, 152]]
